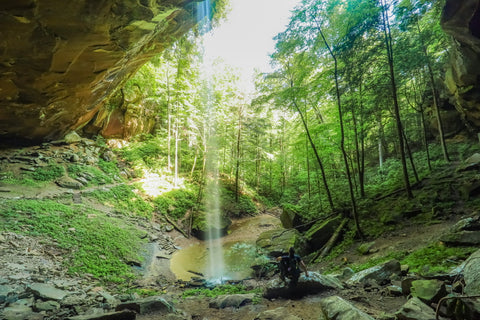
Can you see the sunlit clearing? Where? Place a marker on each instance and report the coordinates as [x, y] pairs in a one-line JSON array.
[[155, 184]]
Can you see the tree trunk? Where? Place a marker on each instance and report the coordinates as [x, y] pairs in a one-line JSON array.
[[389, 47], [441, 134], [342, 139]]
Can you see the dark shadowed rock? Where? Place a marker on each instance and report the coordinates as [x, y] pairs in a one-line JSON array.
[[318, 235], [121, 315], [315, 283]]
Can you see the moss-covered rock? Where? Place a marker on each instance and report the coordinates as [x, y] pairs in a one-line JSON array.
[[428, 290], [278, 241], [321, 231]]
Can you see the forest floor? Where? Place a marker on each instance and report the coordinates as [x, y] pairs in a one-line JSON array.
[[407, 236]]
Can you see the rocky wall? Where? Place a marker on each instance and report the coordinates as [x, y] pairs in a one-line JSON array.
[[461, 20], [60, 60]]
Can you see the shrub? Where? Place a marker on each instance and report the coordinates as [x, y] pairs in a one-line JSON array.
[[175, 203], [47, 173]]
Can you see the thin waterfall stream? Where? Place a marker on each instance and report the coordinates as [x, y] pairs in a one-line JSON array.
[[215, 272]]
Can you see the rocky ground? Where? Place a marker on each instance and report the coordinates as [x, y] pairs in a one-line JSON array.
[[34, 284]]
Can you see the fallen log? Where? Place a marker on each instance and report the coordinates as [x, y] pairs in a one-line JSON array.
[[176, 226]]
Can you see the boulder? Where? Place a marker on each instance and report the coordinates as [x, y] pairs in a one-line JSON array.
[[337, 308], [380, 274], [72, 137], [69, 183], [277, 242], [471, 274], [120, 315], [276, 314], [19, 311], [428, 290], [313, 284], [465, 232], [48, 292], [290, 218], [231, 300], [415, 309], [318, 235], [147, 305]]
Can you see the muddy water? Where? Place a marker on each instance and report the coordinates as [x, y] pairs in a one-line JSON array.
[[239, 250]]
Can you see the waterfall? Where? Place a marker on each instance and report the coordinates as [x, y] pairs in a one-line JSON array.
[[215, 263], [215, 266]]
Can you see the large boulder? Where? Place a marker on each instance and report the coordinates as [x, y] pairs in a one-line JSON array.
[[318, 235], [231, 300], [277, 242], [465, 232], [280, 313], [428, 290], [380, 274], [313, 284], [471, 274], [61, 61], [415, 309], [337, 308]]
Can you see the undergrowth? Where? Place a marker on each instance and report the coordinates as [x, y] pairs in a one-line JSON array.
[[218, 291], [93, 243]]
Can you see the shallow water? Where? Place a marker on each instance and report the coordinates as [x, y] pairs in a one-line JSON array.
[[238, 246]]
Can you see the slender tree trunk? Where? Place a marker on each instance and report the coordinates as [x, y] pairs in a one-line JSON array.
[[237, 165], [441, 134], [317, 156], [342, 138], [409, 151], [389, 47], [309, 185], [176, 156]]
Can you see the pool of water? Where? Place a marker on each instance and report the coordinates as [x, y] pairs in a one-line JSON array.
[[239, 250]]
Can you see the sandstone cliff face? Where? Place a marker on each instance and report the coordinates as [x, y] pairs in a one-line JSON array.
[[461, 19], [60, 60]]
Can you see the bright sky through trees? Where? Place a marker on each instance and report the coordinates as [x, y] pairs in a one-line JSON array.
[[245, 40]]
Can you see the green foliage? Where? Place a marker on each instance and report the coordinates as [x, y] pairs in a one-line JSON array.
[[124, 199], [146, 153], [110, 168], [96, 176], [175, 203], [436, 258], [93, 243], [218, 291], [47, 173]]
